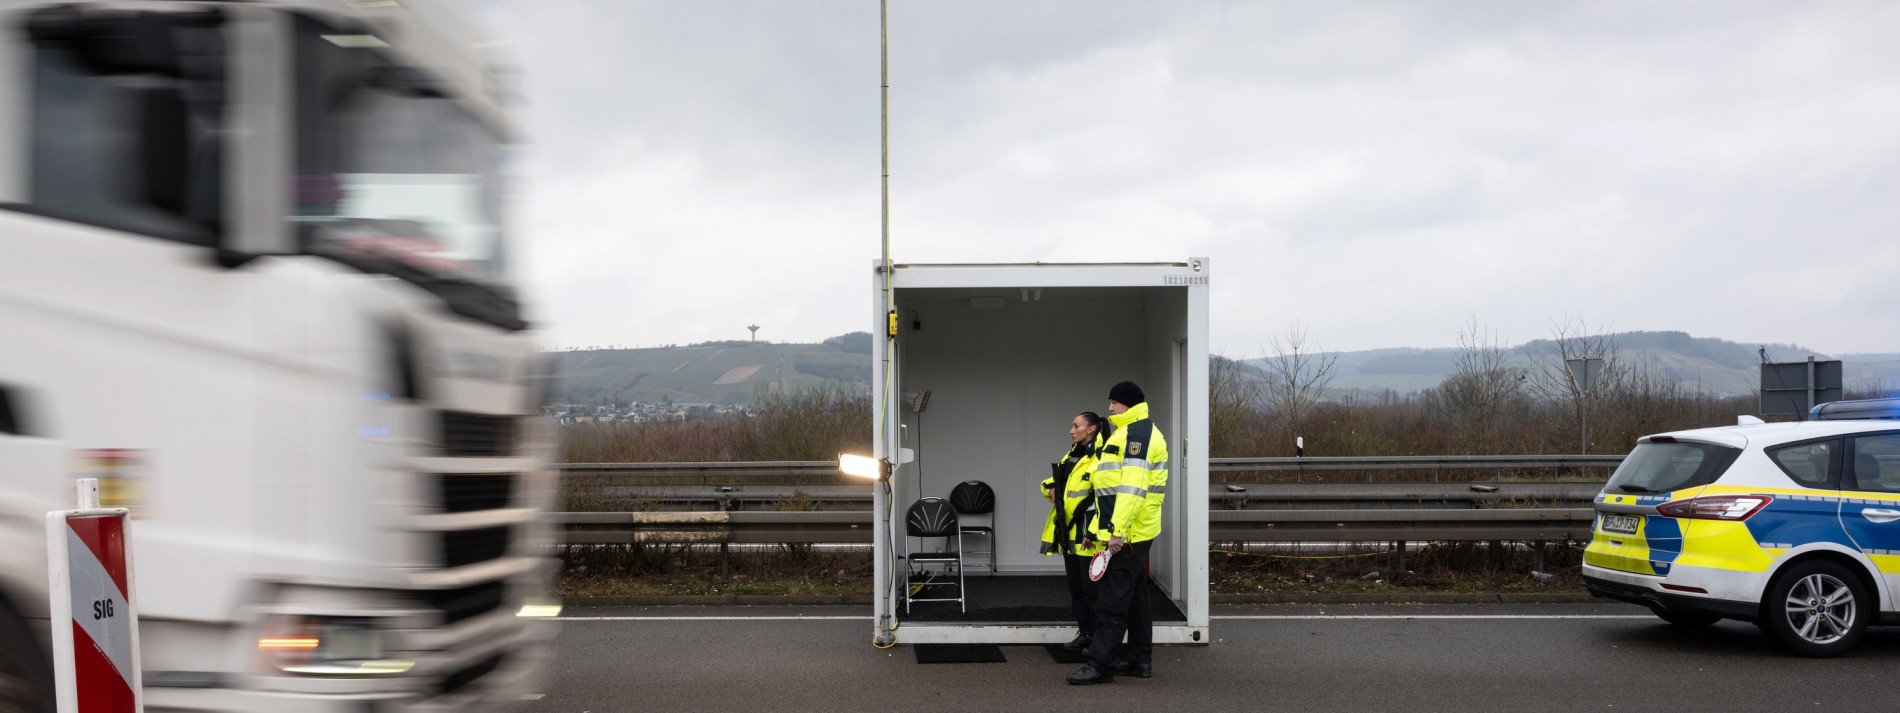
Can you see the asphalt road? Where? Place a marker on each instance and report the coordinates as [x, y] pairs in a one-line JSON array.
[[1559, 657]]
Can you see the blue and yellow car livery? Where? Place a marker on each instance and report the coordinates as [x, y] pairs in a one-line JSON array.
[[1734, 514]]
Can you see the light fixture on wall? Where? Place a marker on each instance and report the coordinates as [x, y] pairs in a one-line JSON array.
[[864, 466]]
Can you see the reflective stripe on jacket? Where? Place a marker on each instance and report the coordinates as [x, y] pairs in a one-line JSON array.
[[1077, 505], [1131, 478]]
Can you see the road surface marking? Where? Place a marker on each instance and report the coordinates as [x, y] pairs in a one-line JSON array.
[[712, 618], [1230, 617], [1269, 617]]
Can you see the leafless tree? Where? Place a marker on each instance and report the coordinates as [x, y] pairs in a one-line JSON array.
[[1550, 375], [1297, 376], [1484, 391], [1233, 394]]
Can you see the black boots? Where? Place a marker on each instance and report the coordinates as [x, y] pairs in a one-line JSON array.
[[1079, 643]]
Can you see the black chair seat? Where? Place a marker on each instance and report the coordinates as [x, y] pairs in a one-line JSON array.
[[977, 528]]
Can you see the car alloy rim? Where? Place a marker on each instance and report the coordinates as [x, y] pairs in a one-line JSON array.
[[1821, 609]]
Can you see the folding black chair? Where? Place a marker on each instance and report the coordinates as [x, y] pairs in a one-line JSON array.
[[975, 499], [928, 518]]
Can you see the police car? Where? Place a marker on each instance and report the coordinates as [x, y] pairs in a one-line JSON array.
[[1792, 526]]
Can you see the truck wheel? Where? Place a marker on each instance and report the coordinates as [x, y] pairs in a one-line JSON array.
[[1816, 608], [26, 678], [1686, 619]]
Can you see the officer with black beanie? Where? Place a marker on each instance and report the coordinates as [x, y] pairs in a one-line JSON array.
[[1131, 482]]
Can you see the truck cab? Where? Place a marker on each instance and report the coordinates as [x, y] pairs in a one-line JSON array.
[[256, 279]]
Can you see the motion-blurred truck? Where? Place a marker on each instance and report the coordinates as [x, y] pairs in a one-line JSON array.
[[254, 279]]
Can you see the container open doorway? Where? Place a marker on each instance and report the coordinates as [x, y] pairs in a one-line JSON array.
[[1008, 354]]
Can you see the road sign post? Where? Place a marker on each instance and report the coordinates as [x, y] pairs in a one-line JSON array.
[[1584, 372], [95, 622]]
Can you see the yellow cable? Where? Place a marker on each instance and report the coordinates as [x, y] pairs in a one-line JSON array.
[[915, 588]]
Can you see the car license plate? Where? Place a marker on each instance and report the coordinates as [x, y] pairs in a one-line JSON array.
[[1621, 524]]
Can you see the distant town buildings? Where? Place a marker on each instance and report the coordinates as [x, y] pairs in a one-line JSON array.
[[638, 412]]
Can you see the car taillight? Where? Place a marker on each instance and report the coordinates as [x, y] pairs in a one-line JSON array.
[[1716, 507]]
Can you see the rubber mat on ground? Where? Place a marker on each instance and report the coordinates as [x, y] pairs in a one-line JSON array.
[[1062, 655], [959, 653]]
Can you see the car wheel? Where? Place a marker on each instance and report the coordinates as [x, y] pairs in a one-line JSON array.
[[1687, 619], [26, 678], [1816, 608]]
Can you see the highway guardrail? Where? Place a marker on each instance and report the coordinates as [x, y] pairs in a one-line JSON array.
[[1532, 524]]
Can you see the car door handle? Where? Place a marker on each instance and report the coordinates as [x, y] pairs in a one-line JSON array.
[[1881, 514]]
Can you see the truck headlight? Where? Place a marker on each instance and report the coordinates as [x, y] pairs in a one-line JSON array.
[[341, 647]]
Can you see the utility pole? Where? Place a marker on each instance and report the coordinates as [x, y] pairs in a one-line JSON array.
[[882, 573]]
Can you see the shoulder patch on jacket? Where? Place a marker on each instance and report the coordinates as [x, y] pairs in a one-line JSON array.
[[1139, 433]]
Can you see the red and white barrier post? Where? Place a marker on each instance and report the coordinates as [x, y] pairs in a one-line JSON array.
[[95, 624]]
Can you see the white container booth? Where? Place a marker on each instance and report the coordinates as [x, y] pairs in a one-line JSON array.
[[1009, 354]]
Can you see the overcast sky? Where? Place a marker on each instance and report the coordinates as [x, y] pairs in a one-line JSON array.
[[1380, 173]]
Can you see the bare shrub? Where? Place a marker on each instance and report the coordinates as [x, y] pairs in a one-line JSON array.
[[803, 425]]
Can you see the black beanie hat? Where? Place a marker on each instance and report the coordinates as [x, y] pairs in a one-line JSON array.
[[1127, 394]]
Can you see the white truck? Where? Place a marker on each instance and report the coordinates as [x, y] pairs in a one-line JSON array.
[[253, 278]]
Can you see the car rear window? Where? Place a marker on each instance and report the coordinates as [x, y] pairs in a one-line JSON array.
[[1666, 467], [1815, 464]]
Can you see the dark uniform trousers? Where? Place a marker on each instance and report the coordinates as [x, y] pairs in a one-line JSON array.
[[1081, 591], [1122, 607]]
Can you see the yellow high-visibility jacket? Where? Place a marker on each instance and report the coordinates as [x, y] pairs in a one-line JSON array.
[[1077, 506], [1131, 478]]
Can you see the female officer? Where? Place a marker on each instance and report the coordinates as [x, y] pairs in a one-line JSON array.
[[1066, 533]]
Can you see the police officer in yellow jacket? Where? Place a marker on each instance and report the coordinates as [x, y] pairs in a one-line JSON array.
[[1131, 480], [1067, 532]]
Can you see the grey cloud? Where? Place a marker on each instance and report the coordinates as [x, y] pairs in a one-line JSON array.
[[1378, 171]]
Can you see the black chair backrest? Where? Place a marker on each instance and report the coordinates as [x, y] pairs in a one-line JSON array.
[[931, 517], [973, 497], [1866, 467]]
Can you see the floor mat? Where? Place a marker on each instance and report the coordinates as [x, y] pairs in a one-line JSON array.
[[1062, 655], [1020, 600], [959, 653]]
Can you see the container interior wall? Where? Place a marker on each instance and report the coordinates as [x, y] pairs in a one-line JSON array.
[[1006, 375], [1165, 344]]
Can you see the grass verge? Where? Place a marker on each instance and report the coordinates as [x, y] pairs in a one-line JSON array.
[[660, 571]]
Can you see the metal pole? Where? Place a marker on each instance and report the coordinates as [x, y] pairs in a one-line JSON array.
[[1584, 449], [884, 129], [1804, 414], [88, 494], [881, 573]]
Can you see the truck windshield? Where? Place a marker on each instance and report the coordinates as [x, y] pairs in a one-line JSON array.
[[391, 173], [1668, 467]]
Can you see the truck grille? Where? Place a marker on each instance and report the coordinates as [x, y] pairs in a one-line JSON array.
[[461, 679], [478, 435], [465, 547], [467, 602], [468, 493]]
